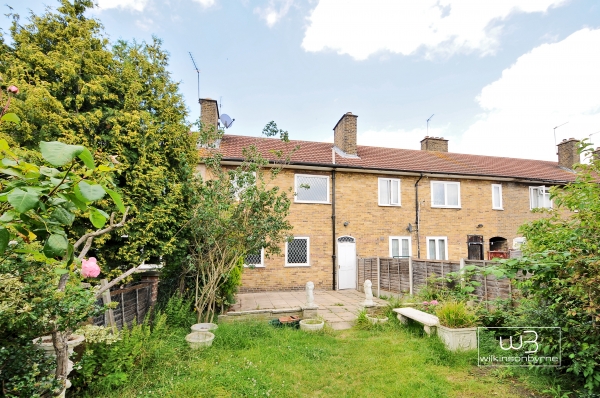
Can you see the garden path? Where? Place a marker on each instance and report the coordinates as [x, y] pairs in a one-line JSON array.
[[338, 308]]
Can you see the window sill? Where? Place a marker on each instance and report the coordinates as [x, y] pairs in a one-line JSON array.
[[380, 205], [446, 207], [500, 209], [296, 265], [314, 203], [254, 266]]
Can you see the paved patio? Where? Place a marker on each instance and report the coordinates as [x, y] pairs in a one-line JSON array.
[[338, 308]]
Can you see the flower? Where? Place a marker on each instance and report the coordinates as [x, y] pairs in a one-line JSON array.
[[434, 302], [89, 268], [13, 89], [425, 303]]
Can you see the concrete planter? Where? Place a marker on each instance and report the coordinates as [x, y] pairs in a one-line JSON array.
[[199, 339], [204, 327], [311, 325], [458, 339], [45, 343], [377, 320]]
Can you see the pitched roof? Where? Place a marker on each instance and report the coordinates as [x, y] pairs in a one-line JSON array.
[[403, 160]]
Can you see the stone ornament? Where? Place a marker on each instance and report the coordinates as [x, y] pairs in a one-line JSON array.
[[368, 293], [310, 295]]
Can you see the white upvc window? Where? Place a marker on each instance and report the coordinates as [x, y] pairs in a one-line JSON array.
[[389, 192], [255, 260], [297, 252], [497, 197], [437, 248], [249, 179], [445, 194], [400, 246], [539, 197], [311, 188]]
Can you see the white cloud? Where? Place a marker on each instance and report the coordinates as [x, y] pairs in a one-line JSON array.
[[361, 28], [206, 3], [136, 5], [274, 11], [553, 84]]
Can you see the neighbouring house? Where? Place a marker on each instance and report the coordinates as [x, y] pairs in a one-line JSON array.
[[371, 201]]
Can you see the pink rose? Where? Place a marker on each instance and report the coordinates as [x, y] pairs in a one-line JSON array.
[[434, 302], [89, 268], [425, 303], [13, 89]]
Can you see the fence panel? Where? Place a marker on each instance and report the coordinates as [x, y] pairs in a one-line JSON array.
[[134, 302]]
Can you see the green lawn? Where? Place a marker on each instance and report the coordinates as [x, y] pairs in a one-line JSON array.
[[256, 359]]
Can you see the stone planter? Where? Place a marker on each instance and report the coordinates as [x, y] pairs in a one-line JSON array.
[[204, 327], [200, 339], [377, 320], [45, 343], [458, 339], [311, 325]]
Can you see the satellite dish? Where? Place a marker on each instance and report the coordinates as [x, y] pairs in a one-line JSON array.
[[227, 121]]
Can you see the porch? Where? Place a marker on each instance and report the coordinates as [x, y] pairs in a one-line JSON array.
[[338, 308]]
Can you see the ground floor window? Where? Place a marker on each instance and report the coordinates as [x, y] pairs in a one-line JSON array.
[[400, 246], [255, 260], [297, 252], [437, 248]]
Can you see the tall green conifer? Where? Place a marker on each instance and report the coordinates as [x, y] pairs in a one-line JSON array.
[[119, 100]]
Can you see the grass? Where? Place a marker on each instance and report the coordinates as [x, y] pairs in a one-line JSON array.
[[256, 359]]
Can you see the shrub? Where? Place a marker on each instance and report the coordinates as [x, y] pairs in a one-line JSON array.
[[456, 314]]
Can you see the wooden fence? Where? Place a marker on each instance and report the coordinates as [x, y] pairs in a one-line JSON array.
[[409, 276], [134, 302]]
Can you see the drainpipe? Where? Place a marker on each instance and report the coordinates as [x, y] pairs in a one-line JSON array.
[[333, 256], [417, 216]]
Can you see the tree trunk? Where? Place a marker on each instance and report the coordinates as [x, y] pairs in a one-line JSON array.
[[61, 348]]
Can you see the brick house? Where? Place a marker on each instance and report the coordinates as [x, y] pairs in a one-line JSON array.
[[370, 201]]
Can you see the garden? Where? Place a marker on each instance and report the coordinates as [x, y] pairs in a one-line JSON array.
[[98, 177]]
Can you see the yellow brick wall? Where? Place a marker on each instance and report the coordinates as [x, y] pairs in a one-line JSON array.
[[372, 225]]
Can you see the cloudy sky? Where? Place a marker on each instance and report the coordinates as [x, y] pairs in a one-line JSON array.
[[498, 75]]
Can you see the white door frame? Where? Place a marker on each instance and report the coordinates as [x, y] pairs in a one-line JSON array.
[[346, 243]]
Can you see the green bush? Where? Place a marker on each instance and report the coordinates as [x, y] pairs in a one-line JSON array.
[[107, 365], [455, 314]]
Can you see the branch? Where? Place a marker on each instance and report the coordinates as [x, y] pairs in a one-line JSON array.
[[117, 280], [89, 237]]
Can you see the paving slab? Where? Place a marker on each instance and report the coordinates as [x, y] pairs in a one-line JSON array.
[[337, 316]]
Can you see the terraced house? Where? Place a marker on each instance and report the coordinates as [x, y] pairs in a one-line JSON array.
[[354, 200]]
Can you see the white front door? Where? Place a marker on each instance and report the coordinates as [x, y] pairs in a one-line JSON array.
[[346, 254]]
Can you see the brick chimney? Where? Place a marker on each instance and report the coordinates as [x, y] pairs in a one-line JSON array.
[[344, 134], [438, 144], [209, 112], [568, 154]]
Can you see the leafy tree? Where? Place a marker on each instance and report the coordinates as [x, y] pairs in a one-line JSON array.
[[562, 258], [118, 101], [239, 212]]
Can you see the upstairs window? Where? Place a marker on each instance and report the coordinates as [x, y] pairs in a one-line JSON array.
[[497, 197], [445, 194], [437, 248], [389, 192], [539, 198], [240, 183], [311, 189], [400, 246]]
